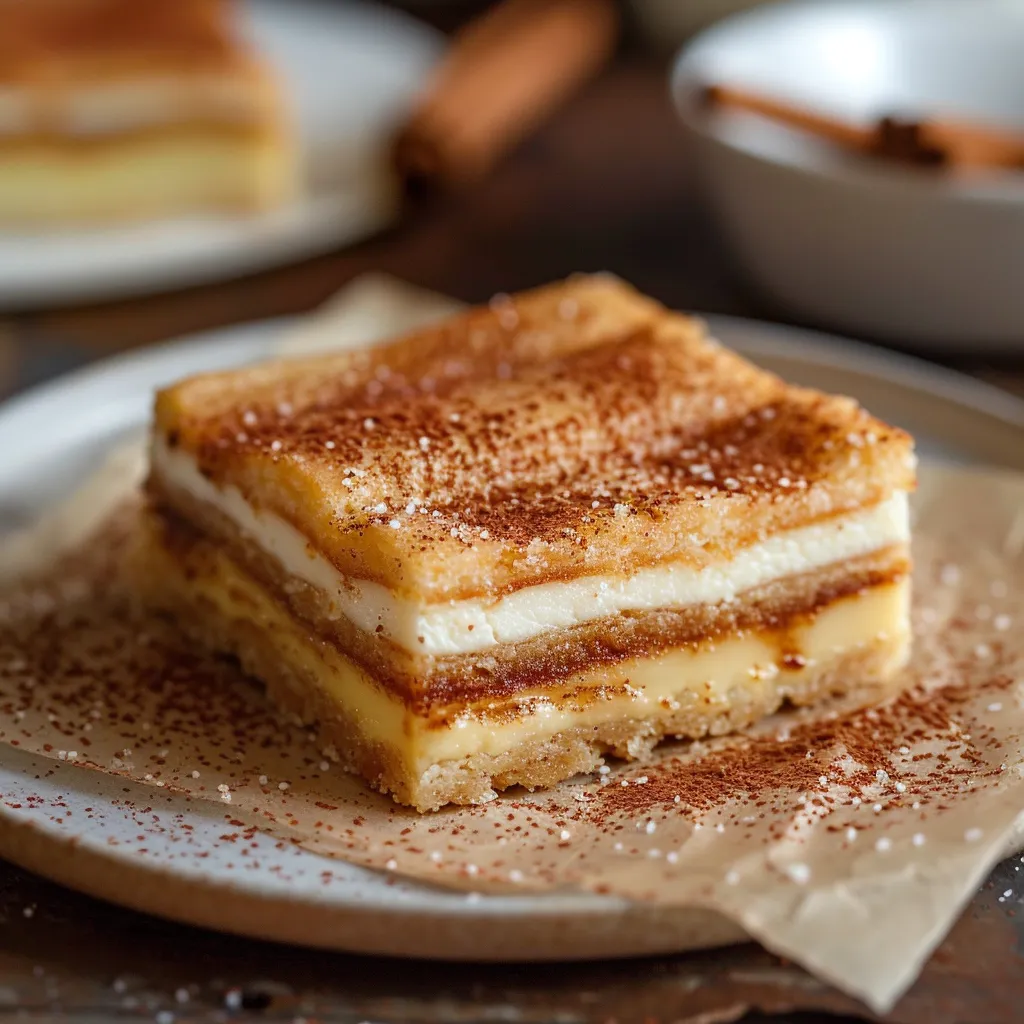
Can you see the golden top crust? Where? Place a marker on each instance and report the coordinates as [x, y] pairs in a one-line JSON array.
[[576, 429], [47, 40]]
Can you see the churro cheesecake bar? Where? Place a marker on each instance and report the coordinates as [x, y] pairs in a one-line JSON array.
[[119, 109], [562, 526]]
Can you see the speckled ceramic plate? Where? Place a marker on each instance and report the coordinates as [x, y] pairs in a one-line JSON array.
[[152, 851]]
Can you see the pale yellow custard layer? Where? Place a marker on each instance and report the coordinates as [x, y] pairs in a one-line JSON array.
[[715, 674], [152, 174]]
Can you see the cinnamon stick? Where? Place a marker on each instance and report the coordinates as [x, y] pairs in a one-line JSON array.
[[503, 74], [927, 142], [824, 127]]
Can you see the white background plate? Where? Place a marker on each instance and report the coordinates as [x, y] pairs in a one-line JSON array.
[[55, 435], [352, 71]]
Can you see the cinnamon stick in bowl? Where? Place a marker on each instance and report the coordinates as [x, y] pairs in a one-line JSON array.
[[503, 74], [923, 142]]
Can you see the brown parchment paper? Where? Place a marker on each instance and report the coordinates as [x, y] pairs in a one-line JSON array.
[[847, 841]]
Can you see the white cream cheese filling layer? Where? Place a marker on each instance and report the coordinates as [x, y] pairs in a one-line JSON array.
[[156, 103], [463, 627], [129, 106]]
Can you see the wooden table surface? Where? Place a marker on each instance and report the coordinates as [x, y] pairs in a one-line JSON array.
[[608, 185]]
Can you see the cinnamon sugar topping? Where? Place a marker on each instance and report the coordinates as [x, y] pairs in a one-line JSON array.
[[544, 448]]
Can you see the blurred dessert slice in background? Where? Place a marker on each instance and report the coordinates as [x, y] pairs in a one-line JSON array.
[[121, 109]]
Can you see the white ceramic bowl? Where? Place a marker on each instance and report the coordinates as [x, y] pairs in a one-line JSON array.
[[928, 259]]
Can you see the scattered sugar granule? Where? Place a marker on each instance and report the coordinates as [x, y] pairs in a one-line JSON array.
[[799, 873], [283, 786], [883, 843], [918, 839], [972, 835], [950, 575]]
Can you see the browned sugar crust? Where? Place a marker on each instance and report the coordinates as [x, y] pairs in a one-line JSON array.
[[863, 676], [56, 53], [54, 39], [438, 689], [562, 432]]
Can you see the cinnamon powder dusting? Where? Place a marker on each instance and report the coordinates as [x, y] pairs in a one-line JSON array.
[[859, 752], [848, 840], [83, 680]]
